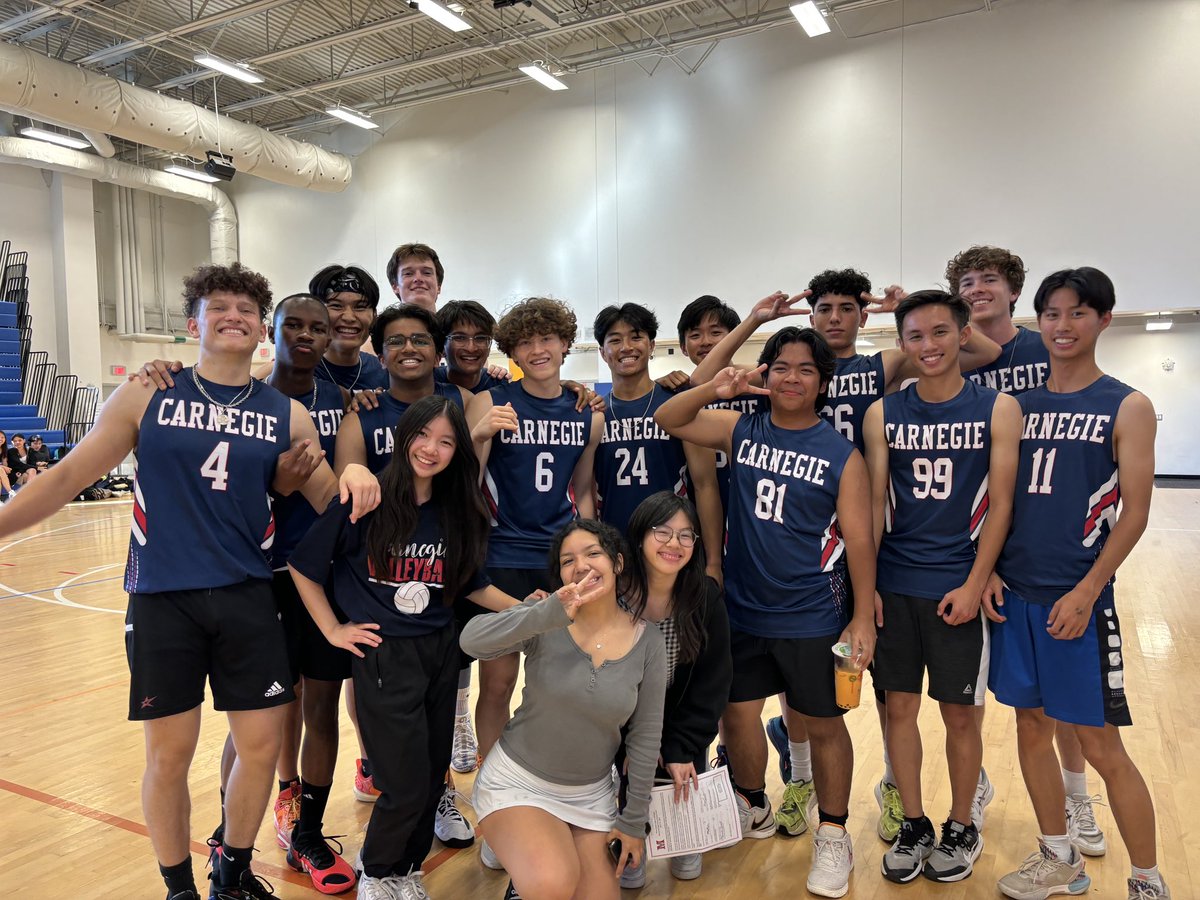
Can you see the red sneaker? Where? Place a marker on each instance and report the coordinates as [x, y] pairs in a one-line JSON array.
[[287, 811], [364, 785], [330, 873]]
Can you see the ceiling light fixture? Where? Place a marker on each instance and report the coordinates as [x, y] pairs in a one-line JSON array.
[[240, 71], [194, 174], [55, 137], [440, 14], [542, 75], [1159, 324], [810, 18], [353, 116]]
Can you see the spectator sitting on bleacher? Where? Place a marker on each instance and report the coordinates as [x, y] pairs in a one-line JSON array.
[[23, 467], [39, 453], [5, 471]]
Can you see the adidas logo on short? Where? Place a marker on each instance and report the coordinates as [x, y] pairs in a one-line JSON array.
[[274, 690]]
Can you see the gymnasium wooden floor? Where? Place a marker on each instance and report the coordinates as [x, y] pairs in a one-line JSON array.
[[70, 763]]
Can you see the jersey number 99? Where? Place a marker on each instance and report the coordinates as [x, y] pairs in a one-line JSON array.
[[935, 477]]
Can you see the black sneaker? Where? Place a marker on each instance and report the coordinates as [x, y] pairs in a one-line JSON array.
[[954, 858], [251, 887], [214, 847], [184, 895], [907, 857], [510, 892]]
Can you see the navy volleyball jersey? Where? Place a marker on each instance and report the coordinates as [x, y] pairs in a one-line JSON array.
[[636, 458], [857, 382], [527, 484], [405, 601], [368, 374], [785, 567], [1023, 364], [379, 424], [293, 514], [747, 405], [937, 494], [1067, 494], [486, 381], [201, 513]]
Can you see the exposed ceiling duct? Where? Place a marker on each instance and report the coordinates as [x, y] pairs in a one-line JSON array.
[[222, 220], [44, 88]]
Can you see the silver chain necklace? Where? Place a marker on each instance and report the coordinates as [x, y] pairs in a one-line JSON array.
[[223, 414], [613, 398], [357, 374]]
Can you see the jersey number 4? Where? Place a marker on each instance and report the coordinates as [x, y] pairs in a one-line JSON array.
[[216, 467]]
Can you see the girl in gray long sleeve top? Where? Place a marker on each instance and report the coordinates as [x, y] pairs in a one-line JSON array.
[[546, 799]]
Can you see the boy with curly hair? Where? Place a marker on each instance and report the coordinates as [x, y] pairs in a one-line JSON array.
[[536, 452]]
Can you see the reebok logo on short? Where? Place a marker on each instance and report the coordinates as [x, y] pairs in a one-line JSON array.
[[274, 690], [968, 690]]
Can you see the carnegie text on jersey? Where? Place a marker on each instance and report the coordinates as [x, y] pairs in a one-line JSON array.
[[205, 417]]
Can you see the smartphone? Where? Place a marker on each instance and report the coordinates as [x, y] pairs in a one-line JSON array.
[[614, 850]]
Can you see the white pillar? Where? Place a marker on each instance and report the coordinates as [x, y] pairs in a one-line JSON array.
[[76, 293]]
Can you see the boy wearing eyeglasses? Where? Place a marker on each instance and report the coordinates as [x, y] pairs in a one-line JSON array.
[[407, 338], [468, 328]]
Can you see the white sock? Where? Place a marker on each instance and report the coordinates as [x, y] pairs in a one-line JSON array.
[[1151, 875], [1059, 844], [1075, 782], [463, 706], [801, 760], [888, 775]]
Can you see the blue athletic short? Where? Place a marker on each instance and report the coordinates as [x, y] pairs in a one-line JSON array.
[[1080, 681]]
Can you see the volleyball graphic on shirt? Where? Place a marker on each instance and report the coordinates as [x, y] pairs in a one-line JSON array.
[[412, 598]]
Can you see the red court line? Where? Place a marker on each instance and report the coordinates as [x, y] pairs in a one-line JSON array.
[[138, 828], [129, 825], [45, 703]]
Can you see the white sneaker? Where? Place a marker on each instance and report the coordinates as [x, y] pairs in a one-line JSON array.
[[465, 755], [376, 888], [832, 862], [687, 867], [1081, 825], [758, 822], [409, 887], [451, 826], [984, 792], [488, 857]]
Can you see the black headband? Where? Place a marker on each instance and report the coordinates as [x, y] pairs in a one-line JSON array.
[[347, 283]]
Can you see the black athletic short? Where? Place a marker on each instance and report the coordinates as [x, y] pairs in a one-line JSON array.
[[518, 583], [230, 635], [914, 638], [800, 667], [309, 654]]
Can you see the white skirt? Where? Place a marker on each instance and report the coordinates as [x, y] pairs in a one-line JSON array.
[[502, 783]]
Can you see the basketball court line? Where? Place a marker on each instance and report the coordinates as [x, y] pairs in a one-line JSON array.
[[286, 874], [52, 700]]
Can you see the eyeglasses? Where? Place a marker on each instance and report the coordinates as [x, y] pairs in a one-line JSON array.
[[397, 341], [458, 339], [663, 535]]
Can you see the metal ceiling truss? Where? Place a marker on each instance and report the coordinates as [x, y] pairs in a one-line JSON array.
[[380, 55]]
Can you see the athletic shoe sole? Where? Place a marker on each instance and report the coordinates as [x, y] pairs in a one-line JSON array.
[[1079, 886], [954, 877], [1091, 848], [689, 870], [898, 877], [828, 892], [364, 796]]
